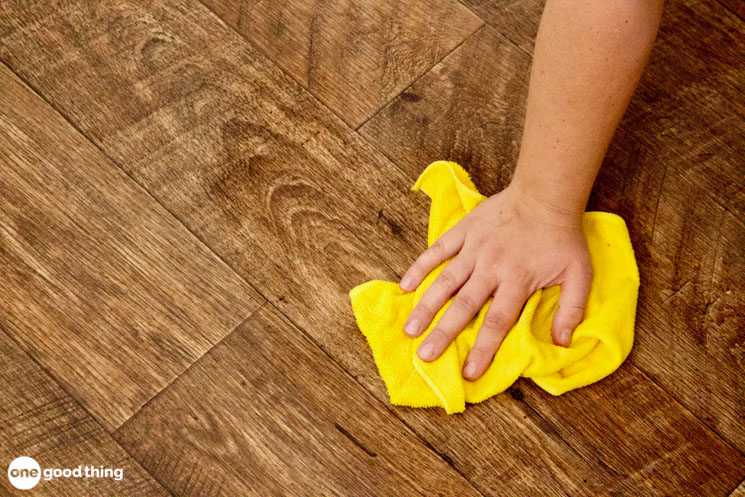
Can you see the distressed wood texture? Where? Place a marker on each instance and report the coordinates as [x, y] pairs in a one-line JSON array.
[[277, 417], [100, 284], [39, 419], [279, 186], [469, 108], [735, 6], [304, 209], [517, 20], [354, 56], [739, 491], [674, 171]]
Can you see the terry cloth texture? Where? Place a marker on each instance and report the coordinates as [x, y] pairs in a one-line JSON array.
[[599, 345]]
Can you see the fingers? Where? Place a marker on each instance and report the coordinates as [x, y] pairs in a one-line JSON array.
[[445, 285], [464, 306], [444, 248], [499, 319], [572, 300]]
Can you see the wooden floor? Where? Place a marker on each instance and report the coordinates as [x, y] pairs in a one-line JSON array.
[[188, 191]]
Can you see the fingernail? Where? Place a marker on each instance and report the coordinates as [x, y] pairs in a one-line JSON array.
[[427, 352], [412, 327], [566, 336], [406, 282], [470, 370]]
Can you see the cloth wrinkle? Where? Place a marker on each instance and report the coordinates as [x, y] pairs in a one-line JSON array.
[[600, 343]]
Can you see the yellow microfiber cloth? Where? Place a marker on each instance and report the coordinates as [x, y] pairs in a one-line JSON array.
[[599, 345]]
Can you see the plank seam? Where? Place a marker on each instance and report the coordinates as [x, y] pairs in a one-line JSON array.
[[735, 14], [145, 190], [356, 130], [498, 31], [188, 368], [75, 401], [404, 90], [270, 61]]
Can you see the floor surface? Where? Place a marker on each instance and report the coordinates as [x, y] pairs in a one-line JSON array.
[[189, 190]]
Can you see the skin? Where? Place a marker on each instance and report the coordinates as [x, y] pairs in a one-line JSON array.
[[588, 59]]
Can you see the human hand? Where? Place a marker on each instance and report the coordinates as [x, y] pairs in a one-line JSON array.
[[507, 247]]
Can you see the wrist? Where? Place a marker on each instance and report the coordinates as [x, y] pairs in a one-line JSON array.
[[543, 204]]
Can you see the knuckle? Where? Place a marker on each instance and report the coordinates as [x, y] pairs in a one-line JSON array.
[[496, 320], [423, 308], [446, 279], [440, 336], [484, 349], [517, 268], [510, 274], [490, 264], [465, 302], [437, 249], [573, 312]]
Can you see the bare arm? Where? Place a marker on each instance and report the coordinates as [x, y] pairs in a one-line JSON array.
[[589, 56], [588, 59]]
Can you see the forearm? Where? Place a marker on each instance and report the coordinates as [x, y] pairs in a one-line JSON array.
[[589, 56]]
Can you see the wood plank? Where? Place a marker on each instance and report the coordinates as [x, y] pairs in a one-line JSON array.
[[689, 249], [517, 20], [678, 185], [469, 108], [39, 419], [268, 171], [739, 491], [100, 284], [668, 456], [353, 56], [304, 210], [277, 417], [735, 6]]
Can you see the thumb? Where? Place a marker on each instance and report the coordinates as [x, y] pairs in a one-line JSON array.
[[572, 300]]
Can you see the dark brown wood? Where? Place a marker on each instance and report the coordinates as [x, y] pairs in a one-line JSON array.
[[275, 416], [304, 209], [39, 419], [354, 56], [99, 283], [735, 6], [674, 172], [739, 491]]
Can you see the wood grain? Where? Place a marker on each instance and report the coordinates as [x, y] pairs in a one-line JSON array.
[[517, 20], [304, 210], [637, 421], [469, 109], [683, 104], [39, 419], [735, 6], [94, 268], [674, 172], [739, 491], [277, 417], [354, 56], [284, 191]]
